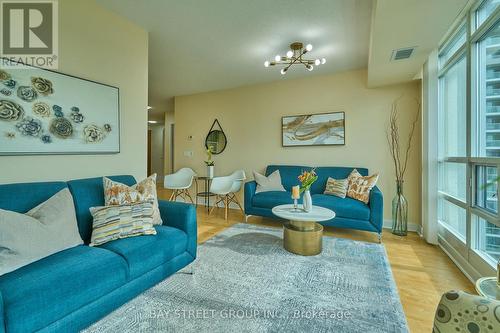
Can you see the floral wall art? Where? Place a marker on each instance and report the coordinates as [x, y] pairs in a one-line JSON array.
[[314, 129], [45, 112]]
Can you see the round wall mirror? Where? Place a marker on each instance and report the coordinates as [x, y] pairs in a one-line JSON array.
[[216, 141]]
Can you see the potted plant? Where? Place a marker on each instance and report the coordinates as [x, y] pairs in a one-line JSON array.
[[210, 163], [306, 179]]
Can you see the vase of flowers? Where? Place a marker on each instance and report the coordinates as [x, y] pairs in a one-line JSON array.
[[307, 178], [400, 153], [210, 164]]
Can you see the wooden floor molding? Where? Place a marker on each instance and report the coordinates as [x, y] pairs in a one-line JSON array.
[[423, 272]]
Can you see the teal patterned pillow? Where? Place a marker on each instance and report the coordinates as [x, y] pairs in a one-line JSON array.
[[337, 187], [121, 221]]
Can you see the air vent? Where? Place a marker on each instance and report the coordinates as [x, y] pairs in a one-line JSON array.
[[401, 54]]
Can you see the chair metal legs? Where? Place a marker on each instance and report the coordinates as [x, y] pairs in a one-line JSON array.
[[184, 193], [226, 201]]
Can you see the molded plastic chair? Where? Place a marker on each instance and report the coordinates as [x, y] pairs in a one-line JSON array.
[[179, 183], [225, 188]]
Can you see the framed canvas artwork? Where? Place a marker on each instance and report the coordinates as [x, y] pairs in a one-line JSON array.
[[320, 129], [46, 112]]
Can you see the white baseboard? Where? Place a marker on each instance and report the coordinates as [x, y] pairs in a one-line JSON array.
[[411, 226]]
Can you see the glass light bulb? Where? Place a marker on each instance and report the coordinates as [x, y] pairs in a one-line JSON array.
[[323, 61], [289, 54], [277, 58], [309, 47], [317, 62], [266, 63], [283, 71], [310, 68]]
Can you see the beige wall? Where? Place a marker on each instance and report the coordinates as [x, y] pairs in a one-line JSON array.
[[251, 119], [98, 45]]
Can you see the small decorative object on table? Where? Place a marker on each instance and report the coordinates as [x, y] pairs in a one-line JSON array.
[[210, 164], [307, 178], [400, 160], [295, 197]]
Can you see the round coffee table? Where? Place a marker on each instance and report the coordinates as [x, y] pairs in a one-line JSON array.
[[303, 234], [488, 287]]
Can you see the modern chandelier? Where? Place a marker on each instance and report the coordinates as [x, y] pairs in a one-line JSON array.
[[295, 56]]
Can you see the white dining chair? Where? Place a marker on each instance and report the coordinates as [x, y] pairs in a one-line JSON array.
[[225, 189], [180, 182]]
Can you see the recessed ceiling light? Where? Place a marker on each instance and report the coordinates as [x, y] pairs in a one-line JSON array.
[[152, 121]]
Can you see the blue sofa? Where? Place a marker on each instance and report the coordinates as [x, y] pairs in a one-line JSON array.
[[70, 290], [350, 213]]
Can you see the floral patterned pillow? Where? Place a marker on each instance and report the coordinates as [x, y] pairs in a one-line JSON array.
[[359, 187], [116, 193]]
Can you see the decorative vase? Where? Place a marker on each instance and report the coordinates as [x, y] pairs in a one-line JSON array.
[[210, 171], [307, 201], [399, 212]]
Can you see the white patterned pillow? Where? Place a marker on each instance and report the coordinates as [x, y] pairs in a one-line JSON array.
[[337, 187], [116, 193], [122, 221]]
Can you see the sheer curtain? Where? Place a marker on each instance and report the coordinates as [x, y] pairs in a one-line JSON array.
[[429, 148]]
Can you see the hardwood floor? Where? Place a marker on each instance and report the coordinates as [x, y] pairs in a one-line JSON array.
[[422, 271]]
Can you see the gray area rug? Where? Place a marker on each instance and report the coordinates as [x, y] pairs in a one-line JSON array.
[[244, 281]]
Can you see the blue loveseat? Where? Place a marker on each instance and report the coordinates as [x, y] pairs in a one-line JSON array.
[[70, 290], [350, 213]]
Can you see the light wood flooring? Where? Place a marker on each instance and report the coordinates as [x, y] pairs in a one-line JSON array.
[[422, 271]]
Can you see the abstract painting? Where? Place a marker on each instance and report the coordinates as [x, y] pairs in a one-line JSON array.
[[45, 112], [313, 129]]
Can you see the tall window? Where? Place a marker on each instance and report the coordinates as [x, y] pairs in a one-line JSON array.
[[469, 138], [452, 141]]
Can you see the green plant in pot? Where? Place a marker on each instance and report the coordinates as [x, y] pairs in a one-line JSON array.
[[210, 163]]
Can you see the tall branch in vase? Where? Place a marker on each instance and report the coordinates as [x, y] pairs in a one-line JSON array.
[[400, 154]]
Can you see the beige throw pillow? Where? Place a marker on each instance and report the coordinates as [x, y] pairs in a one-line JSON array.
[[337, 187], [122, 221], [48, 228], [116, 193], [269, 183], [359, 187]]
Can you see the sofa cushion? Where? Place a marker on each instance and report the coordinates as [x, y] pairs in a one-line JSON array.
[[90, 193], [343, 207], [289, 174], [123, 221], [143, 253], [32, 195], [46, 229], [271, 199], [49, 289]]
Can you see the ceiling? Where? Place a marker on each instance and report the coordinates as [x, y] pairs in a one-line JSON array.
[[407, 23], [198, 46]]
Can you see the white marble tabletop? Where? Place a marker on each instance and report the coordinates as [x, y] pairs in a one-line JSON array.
[[317, 214]]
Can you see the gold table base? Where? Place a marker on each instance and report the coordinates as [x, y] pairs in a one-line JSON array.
[[303, 238]]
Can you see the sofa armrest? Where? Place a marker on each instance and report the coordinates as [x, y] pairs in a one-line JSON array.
[[2, 314], [181, 216], [250, 188], [377, 208]]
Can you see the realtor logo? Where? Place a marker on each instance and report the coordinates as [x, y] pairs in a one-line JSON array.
[[29, 33]]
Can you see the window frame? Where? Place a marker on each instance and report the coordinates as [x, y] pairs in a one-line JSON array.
[[465, 252]]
